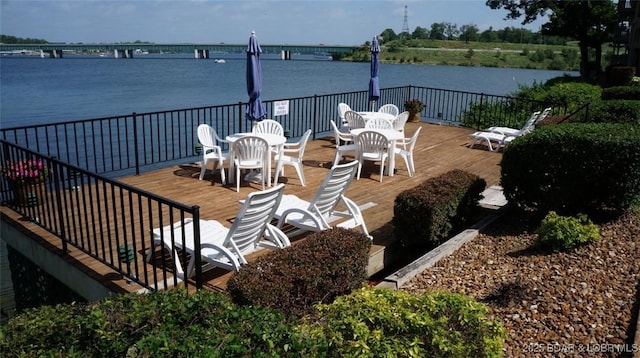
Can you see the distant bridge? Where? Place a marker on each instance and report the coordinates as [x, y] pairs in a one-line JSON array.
[[128, 50]]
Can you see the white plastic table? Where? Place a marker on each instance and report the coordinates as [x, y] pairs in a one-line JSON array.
[[273, 140], [370, 115], [393, 136]]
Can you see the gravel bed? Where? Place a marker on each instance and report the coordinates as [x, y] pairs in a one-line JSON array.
[[579, 303]]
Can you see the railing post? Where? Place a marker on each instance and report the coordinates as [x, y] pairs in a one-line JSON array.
[[314, 120], [196, 244], [479, 118], [57, 169], [239, 117], [135, 143]]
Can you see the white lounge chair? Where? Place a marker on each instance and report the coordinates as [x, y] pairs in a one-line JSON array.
[[527, 126], [317, 214], [499, 137], [292, 154], [221, 246], [493, 141]]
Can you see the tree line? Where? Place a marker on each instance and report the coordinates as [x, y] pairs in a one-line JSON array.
[[8, 39], [471, 33]]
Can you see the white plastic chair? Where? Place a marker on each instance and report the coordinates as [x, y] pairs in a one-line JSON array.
[[344, 143], [406, 152], [401, 121], [292, 154], [372, 146], [268, 126], [211, 150], [317, 214], [221, 246], [378, 123], [354, 120], [251, 152], [389, 108], [342, 109]]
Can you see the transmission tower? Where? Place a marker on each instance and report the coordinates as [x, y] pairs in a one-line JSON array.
[[405, 24]]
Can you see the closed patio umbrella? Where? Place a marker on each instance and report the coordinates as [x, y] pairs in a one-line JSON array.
[[255, 110], [374, 87]]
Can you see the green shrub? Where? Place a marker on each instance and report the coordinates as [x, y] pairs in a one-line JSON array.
[[325, 265], [159, 324], [561, 233], [621, 92], [574, 167], [611, 111], [428, 214], [373, 322]]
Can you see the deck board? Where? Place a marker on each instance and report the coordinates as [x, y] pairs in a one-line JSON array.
[[439, 149]]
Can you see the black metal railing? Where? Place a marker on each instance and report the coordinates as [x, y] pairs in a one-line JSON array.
[[110, 221], [127, 144]]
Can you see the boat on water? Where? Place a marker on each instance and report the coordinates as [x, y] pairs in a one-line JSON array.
[[322, 56], [141, 52], [219, 60]]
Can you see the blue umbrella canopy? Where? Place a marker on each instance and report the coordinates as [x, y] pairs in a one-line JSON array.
[[374, 86], [255, 109]]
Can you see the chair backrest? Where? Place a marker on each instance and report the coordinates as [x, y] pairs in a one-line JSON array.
[[207, 136], [251, 221], [332, 189], [413, 140], [389, 108], [340, 136], [532, 119], [302, 143], [354, 120], [542, 115], [378, 123], [371, 141], [268, 126], [342, 109], [400, 121], [251, 149]]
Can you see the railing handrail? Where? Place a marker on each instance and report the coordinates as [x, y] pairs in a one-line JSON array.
[[67, 209]]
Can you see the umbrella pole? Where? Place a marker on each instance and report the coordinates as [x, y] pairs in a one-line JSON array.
[[372, 106]]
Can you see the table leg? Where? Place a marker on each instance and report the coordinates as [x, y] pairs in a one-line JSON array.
[[392, 158], [232, 169]]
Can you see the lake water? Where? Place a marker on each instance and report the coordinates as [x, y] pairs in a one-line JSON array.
[[36, 90]]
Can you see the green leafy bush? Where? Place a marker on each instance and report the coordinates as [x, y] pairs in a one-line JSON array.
[[560, 233], [611, 111], [374, 322], [159, 324], [621, 92], [325, 265], [428, 214], [574, 167]]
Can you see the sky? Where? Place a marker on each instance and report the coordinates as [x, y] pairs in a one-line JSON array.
[[303, 22]]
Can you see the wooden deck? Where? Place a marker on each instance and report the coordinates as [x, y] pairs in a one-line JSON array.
[[438, 150]]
